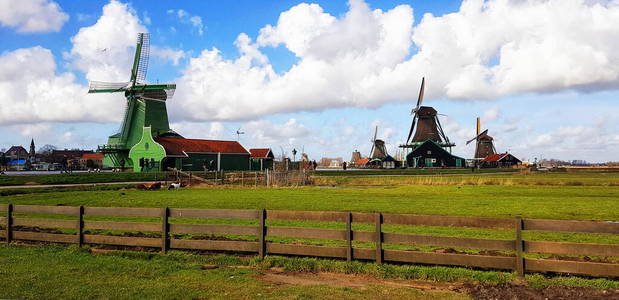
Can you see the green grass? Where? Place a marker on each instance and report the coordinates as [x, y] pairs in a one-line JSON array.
[[524, 178], [366, 172], [6, 180], [60, 273]]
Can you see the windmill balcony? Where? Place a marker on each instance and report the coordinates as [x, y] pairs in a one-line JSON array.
[[110, 148]]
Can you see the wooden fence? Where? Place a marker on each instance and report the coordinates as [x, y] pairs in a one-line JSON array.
[[19, 225]]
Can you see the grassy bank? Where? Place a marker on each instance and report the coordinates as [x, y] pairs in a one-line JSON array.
[[368, 172], [6, 180], [61, 273], [526, 178]]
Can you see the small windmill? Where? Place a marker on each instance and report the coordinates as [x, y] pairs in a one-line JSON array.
[[379, 151], [145, 106], [484, 145], [238, 134], [425, 125]]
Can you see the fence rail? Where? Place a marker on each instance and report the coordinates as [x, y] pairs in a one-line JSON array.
[[24, 222]]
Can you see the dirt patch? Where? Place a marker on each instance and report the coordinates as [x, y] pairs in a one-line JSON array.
[[516, 292], [345, 280]]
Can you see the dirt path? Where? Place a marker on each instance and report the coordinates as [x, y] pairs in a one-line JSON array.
[[475, 291], [33, 186]]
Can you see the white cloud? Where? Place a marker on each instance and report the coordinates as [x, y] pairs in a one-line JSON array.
[[491, 114], [264, 132], [168, 54], [34, 130], [32, 15], [367, 58], [187, 18], [194, 130]]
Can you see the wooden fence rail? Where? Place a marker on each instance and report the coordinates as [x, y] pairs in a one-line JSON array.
[[20, 222]]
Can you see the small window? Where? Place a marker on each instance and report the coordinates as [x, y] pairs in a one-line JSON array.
[[146, 146], [429, 152]]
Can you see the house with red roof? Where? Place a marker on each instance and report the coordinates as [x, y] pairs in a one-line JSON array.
[[176, 152], [500, 160], [261, 158]]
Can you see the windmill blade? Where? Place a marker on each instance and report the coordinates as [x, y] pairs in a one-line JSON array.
[[410, 133], [107, 87], [140, 59], [477, 137], [375, 133], [421, 92]]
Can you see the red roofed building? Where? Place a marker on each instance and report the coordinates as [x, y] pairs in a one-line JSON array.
[[500, 160], [152, 154], [261, 158], [91, 161]]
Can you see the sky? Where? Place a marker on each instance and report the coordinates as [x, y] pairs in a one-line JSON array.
[[318, 76]]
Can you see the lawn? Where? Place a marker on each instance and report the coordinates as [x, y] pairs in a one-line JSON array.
[[69, 273], [6, 180]]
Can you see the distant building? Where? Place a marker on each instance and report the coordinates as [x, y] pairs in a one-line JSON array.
[[17, 152], [32, 155], [430, 154], [261, 158], [500, 160], [330, 162], [91, 161]]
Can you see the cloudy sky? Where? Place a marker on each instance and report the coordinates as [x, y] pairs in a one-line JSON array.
[[318, 76]]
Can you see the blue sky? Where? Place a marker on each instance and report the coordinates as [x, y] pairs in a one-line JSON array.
[[321, 76]]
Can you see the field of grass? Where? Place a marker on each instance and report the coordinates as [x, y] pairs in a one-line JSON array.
[[568, 196], [367, 172], [59, 273], [520, 178], [6, 180]]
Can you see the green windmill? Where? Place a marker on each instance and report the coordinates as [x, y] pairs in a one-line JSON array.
[[146, 107]]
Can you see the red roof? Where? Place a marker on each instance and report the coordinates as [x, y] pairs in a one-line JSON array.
[[260, 153], [94, 156], [494, 157], [180, 146], [362, 161]]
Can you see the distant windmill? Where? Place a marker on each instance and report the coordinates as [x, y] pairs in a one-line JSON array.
[[378, 147], [238, 134], [484, 146], [425, 125]]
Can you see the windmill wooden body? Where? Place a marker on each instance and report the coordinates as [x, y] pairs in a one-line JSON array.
[[427, 144], [484, 145], [145, 107]]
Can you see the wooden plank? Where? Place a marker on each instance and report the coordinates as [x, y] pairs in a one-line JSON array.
[[572, 226], [122, 211], [122, 240], [349, 237], [363, 217], [364, 236], [482, 261], [379, 238], [2, 233], [364, 253], [240, 246], [213, 213], [519, 247], [3, 207], [572, 248], [309, 233], [323, 216], [214, 229], [45, 223], [3, 220], [445, 241], [38, 209], [122, 226], [45, 237], [306, 250], [447, 221], [572, 267], [262, 232]]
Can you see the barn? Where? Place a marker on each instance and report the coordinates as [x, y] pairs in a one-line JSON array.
[[161, 153], [430, 154], [500, 160], [261, 159]]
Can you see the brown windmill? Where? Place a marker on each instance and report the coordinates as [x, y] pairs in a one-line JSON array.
[[379, 151], [425, 125], [484, 146]]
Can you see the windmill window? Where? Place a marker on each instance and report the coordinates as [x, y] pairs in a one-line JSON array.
[[429, 152], [146, 146]]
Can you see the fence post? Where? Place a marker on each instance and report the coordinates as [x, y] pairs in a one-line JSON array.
[[9, 223], [262, 234], [80, 226], [379, 238], [519, 247], [165, 229], [256, 179], [349, 237], [189, 179]]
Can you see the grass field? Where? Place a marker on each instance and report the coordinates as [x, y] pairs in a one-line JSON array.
[[569, 196], [366, 172], [77, 178]]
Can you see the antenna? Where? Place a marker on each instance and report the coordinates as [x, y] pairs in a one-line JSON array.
[[238, 134]]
